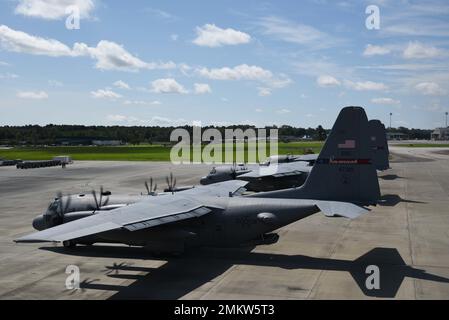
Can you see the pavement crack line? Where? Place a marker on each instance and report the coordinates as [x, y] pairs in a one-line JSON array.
[[332, 252]]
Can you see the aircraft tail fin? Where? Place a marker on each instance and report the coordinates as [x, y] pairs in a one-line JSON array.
[[343, 171], [379, 145]]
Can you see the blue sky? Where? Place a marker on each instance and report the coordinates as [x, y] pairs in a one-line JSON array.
[[222, 62]]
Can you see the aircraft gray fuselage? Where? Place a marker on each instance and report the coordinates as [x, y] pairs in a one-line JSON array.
[[235, 220], [341, 183]]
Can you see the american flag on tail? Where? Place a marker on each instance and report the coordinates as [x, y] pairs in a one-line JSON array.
[[349, 144]]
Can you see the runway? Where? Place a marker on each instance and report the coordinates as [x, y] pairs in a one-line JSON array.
[[407, 237]]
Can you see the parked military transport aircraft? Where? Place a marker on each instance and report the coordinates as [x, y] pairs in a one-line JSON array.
[[281, 172], [342, 181]]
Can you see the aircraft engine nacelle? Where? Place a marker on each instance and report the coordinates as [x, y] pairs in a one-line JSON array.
[[46, 221], [72, 216]]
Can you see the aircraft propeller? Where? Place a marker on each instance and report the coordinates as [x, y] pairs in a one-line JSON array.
[[171, 183], [150, 189], [99, 204]]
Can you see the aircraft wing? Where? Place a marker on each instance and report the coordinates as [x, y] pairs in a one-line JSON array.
[[219, 189], [281, 170], [307, 157], [340, 209], [147, 213]]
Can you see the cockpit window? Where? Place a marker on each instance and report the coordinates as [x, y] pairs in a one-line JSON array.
[[54, 206], [240, 191]]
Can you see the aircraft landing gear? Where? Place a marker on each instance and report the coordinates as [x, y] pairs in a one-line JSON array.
[[69, 244], [266, 239]]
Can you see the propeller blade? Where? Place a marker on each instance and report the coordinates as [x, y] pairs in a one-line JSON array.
[[146, 187], [60, 208], [155, 187], [94, 194], [101, 197], [168, 182]]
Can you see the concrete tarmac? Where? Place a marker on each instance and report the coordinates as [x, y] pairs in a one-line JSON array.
[[406, 238]]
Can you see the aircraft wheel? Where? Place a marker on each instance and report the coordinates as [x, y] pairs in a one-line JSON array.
[[68, 244]]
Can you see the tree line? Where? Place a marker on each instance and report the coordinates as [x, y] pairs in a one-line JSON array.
[[78, 134]]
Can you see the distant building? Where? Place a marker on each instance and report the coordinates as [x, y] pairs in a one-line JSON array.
[[440, 134], [107, 142], [397, 136], [73, 141]]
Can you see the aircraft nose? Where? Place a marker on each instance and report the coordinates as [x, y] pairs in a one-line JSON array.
[[38, 223]]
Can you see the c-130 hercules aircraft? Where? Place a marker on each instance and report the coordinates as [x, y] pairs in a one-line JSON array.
[[342, 182], [290, 170], [278, 172]]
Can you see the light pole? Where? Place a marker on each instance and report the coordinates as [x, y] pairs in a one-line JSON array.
[[390, 119], [446, 118]]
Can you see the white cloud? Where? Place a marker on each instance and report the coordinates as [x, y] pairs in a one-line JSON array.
[[302, 34], [108, 55], [106, 93], [239, 72], [210, 35], [417, 50], [112, 56], [264, 92], [22, 42], [366, 85], [372, 50], [283, 111], [174, 37], [430, 89], [202, 88], [154, 121], [316, 68], [140, 102], [4, 64], [168, 85], [419, 27], [8, 76], [36, 95], [385, 101], [246, 72], [280, 81], [327, 81], [161, 14], [162, 121], [258, 110], [122, 85], [53, 9]]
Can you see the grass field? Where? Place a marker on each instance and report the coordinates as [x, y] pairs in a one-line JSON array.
[[424, 145], [126, 153]]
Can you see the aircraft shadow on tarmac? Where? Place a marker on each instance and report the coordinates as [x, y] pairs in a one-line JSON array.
[[390, 177], [179, 276], [391, 200]]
